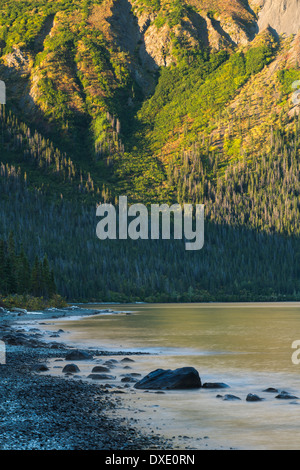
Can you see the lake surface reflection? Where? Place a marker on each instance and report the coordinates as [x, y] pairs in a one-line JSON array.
[[247, 346]]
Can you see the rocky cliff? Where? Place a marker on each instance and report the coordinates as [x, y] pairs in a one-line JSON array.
[[281, 15]]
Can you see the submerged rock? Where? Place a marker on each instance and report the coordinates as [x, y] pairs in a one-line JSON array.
[[231, 398], [129, 380], [271, 390], [179, 379], [286, 396], [78, 355], [111, 363], [252, 397], [100, 369], [131, 374], [101, 377], [214, 386]]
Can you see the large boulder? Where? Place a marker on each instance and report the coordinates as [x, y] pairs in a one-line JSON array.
[[71, 368], [179, 379]]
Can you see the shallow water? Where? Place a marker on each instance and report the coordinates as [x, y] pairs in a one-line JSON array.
[[247, 346]]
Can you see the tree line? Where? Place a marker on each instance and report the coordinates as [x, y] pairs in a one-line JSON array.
[[19, 276], [236, 264]]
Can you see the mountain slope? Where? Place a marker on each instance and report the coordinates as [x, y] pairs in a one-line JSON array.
[[282, 15], [101, 79], [164, 101]]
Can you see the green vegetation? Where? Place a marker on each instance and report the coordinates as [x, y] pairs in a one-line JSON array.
[[287, 77], [19, 277], [198, 91], [31, 303], [81, 127], [236, 263]]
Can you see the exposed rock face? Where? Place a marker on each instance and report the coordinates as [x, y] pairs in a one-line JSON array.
[[282, 15], [18, 60], [150, 45]]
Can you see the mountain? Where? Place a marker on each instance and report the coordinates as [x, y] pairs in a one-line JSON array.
[[282, 15], [164, 101]]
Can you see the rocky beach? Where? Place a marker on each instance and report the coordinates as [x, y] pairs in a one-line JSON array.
[[40, 411], [60, 391]]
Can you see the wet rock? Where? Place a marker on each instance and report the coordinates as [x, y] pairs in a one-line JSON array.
[[286, 396], [128, 380], [127, 359], [23, 311], [71, 368], [39, 368], [231, 398], [110, 363], [271, 390], [78, 355], [253, 398], [214, 386], [132, 374], [100, 369], [58, 346], [179, 379], [15, 339], [101, 377]]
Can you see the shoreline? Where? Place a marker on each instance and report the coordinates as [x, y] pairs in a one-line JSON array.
[[58, 412], [110, 406]]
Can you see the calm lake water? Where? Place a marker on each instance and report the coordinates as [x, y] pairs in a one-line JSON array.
[[247, 346]]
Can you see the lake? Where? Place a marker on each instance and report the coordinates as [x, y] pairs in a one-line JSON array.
[[247, 346]]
